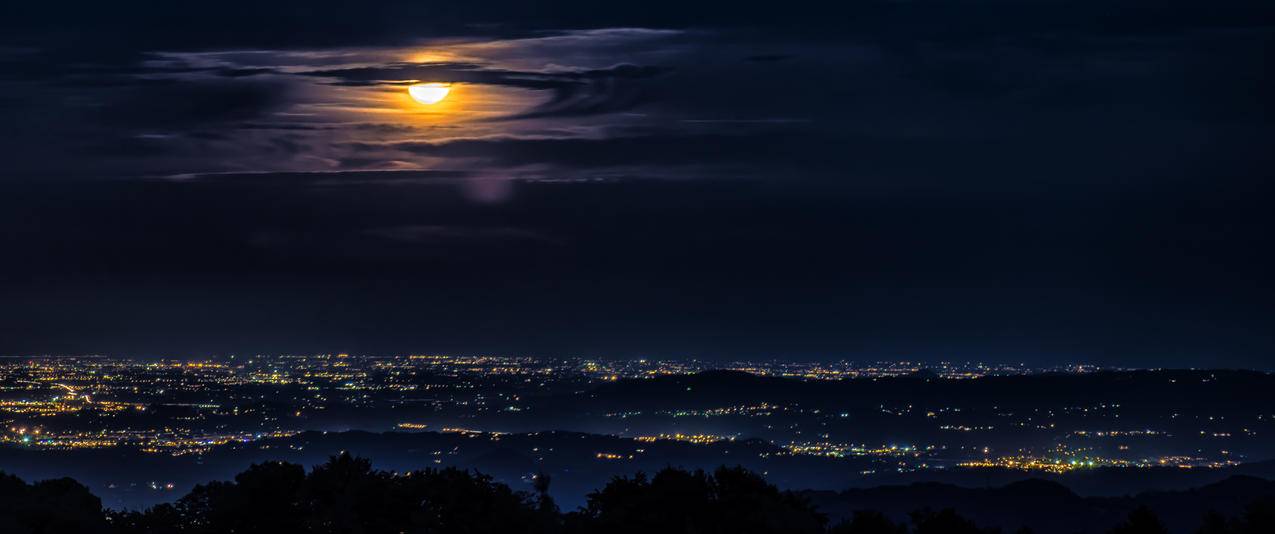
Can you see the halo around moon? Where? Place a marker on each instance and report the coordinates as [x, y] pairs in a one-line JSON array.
[[429, 93]]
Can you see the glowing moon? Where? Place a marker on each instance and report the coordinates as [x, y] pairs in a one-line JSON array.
[[429, 93]]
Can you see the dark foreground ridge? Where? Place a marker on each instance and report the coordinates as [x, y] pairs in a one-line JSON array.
[[347, 495]]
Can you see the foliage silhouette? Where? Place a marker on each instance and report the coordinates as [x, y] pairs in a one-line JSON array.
[[1141, 521], [868, 522], [49, 506], [347, 495], [730, 500], [945, 521], [1258, 518]]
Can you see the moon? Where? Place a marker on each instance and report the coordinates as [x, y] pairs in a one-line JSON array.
[[429, 93]]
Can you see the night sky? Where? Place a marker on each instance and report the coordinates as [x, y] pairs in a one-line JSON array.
[[1030, 181]]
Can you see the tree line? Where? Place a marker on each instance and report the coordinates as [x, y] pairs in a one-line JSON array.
[[347, 495]]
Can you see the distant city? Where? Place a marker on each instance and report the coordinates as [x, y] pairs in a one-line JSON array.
[[806, 425], [64, 402]]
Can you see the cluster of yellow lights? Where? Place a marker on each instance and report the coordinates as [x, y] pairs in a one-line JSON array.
[[691, 438], [1035, 464], [175, 445], [840, 450]]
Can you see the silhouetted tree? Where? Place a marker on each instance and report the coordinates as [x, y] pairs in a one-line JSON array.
[[1140, 521], [1259, 516], [50, 506], [1214, 523], [159, 519], [262, 499], [945, 521], [869, 522], [346, 495], [731, 500], [454, 500], [541, 484]]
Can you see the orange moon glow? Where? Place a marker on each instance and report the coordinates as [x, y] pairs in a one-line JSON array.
[[429, 93]]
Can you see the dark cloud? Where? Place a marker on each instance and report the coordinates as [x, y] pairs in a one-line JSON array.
[[240, 73], [575, 92], [320, 179], [160, 25], [460, 235], [1023, 181], [672, 149], [620, 88], [192, 104], [768, 58], [60, 66]]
